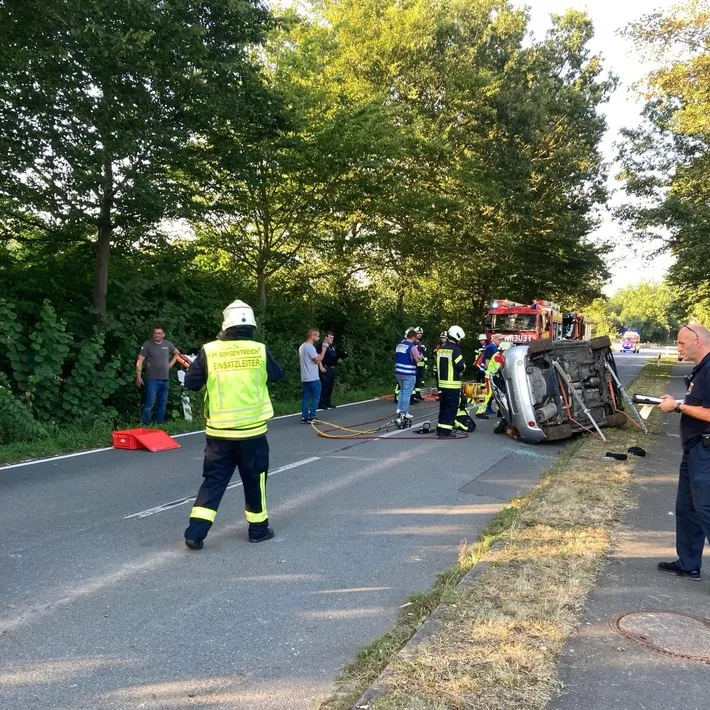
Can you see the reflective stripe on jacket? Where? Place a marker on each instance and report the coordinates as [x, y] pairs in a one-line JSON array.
[[449, 366], [237, 402]]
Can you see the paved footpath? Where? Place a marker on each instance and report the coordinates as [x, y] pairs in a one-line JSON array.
[[102, 606], [603, 670]]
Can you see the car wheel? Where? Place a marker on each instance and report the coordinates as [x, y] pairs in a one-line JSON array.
[[601, 342], [538, 347]]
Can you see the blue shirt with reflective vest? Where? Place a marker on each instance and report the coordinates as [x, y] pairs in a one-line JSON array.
[[404, 364]]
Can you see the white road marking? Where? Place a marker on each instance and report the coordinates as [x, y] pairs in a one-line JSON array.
[[189, 499], [54, 458]]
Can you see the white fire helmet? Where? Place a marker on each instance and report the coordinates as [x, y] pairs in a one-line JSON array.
[[237, 313], [419, 330], [505, 345], [456, 333], [482, 336]]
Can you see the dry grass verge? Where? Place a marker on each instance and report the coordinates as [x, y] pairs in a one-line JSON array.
[[499, 638]]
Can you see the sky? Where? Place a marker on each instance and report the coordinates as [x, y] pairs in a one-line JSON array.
[[623, 109]]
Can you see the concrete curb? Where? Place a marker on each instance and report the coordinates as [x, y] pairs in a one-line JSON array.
[[432, 626]]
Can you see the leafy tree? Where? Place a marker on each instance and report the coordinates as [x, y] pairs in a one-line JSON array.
[[264, 200], [98, 99], [666, 161], [504, 172], [649, 308]]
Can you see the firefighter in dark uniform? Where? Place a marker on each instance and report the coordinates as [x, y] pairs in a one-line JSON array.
[[235, 369], [450, 366], [421, 365], [692, 507]]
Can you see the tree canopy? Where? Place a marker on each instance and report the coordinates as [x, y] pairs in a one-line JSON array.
[[666, 161]]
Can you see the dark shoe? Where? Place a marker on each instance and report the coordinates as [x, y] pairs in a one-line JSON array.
[[482, 416], [675, 568], [304, 421], [265, 535], [195, 544], [331, 406], [311, 419], [447, 435]]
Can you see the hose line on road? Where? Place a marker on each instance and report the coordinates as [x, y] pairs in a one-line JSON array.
[[372, 433]]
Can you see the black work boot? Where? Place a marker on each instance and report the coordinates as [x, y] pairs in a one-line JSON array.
[[194, 544], [261, 535]]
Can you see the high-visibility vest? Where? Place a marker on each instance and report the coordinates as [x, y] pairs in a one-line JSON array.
[[494, 364], [237, 402], [447, 356], [403, 364]]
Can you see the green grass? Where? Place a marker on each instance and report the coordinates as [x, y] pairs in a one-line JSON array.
[[96, 435]]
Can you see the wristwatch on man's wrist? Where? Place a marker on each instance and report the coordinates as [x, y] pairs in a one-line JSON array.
[[677, 409]]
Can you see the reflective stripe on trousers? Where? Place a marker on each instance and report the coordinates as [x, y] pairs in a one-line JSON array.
[[222, 456]]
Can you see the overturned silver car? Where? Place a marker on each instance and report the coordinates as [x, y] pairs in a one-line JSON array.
[[551, 389]]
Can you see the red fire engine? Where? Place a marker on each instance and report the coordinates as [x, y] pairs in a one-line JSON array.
[[522, 323]]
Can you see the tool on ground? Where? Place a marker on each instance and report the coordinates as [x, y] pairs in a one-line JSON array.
[[636, 451], [618, 457]]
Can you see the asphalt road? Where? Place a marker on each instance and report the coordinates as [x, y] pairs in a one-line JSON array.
[[102, 606]]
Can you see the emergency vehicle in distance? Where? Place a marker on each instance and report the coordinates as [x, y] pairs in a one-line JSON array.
[[630, 342]]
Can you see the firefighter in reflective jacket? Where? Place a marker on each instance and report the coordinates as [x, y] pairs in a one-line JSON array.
[[450, 366], [235, 369]]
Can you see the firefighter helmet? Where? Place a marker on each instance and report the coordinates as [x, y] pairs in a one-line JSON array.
[[443, 334], [406, 330], [238, 313], [505, 345], [482, 336], [456, 333], [418, 330]]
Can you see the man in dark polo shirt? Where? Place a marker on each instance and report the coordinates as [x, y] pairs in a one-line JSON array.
[[330, 360], [159, 356], [692, 509]]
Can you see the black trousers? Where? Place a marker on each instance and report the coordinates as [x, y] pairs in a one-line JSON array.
[[420, 379], [327, 380], [222, 456], [692, 507], [448, 406]]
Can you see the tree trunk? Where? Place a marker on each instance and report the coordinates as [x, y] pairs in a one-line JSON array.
[[103, 242], [400, 300], [261, 281]]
